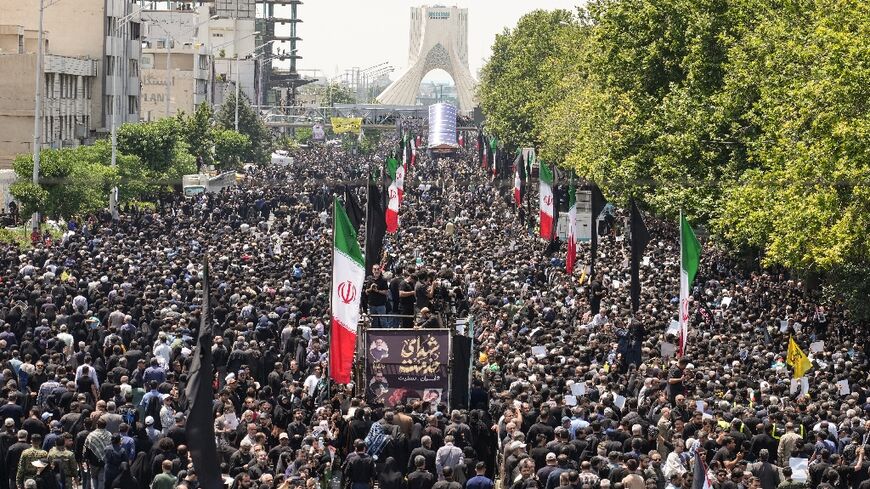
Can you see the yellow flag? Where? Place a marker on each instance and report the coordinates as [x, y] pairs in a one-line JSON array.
[[797, 359]]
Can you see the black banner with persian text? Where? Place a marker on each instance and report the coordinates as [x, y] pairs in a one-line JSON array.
[[405, 365]]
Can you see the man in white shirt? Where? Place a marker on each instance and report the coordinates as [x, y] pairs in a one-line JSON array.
[[312, 380], [65, 336], [91, 372]]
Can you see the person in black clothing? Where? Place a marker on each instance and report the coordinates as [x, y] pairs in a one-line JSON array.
[[447, 482], [391, 477], [425, 451], [597, 291], [676, 380], [420, 478], [423, 291], [407, 299], [359, 468], [377, 292], [14, 455]]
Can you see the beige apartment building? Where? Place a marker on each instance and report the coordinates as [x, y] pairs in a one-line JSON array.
[[87, 29], [184, 80], [67, 95]]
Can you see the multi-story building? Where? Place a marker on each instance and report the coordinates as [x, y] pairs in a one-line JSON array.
[[183, 81], [67, 91], [176, 61], [107, 31]]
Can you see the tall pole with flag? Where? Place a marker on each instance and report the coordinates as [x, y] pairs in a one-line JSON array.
[[699, 474], [376, 224], [545, 199], [639, 239], [200, 395], [690, 257], [348, 274], [493, 146], [572, 227], [597, 208], [394, 194]]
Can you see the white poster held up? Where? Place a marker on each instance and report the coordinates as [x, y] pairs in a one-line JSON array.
[[843, 387], [798, 468]]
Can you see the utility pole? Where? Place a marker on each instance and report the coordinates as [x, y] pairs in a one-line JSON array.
[[168, 72], [37, 115]]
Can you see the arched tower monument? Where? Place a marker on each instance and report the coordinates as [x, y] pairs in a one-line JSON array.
[[439, 39]]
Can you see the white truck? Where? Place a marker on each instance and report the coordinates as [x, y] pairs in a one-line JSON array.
[[202, 182], [281, 157]]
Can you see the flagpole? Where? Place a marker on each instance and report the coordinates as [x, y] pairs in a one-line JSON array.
[[331, 312], [680, 302], [366, 218]]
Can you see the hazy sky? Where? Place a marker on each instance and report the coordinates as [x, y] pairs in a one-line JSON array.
[[341, 34]]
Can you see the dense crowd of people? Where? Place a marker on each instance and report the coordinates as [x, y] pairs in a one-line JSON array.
[[99, 326]]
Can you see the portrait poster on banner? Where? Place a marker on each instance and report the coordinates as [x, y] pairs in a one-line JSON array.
[[403, 366]]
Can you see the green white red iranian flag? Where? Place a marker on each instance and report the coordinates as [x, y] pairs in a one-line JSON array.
[[545, 198], [348, 273]]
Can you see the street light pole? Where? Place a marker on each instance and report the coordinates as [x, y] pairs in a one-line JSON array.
[[113, 194], [37, 115], [168, 72], [237, 92]]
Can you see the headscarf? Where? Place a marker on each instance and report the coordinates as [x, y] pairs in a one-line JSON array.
[[376, 440], [391, 476], [125, 479]]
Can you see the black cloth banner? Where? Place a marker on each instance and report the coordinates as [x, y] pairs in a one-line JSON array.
[[376, 225], [459, 377], [200, 422], [598, 203], [353, 208], [403, 365], [639, 239]]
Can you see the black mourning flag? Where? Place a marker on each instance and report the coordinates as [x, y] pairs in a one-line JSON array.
[[639, 239], [353, 208], [200, 423], [376, 225], [598, 203]]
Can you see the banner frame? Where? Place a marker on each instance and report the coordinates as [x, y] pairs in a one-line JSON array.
[[361, 354]]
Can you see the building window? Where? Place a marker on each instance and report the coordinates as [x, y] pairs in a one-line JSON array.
[[132, 68], [132, 104], [110, 66]]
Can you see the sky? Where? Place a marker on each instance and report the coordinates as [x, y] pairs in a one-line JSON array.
[[342, 34]]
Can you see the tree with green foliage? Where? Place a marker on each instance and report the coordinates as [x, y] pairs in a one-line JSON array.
[[161, 147], [250, 124], [198, 133], [337, 93], [748, 115], [155, 143], [517, 83], [230, 148], [72, 181]]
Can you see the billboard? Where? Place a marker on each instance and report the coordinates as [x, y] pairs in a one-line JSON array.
[[404, 365], [442, 126], [341, 125]]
